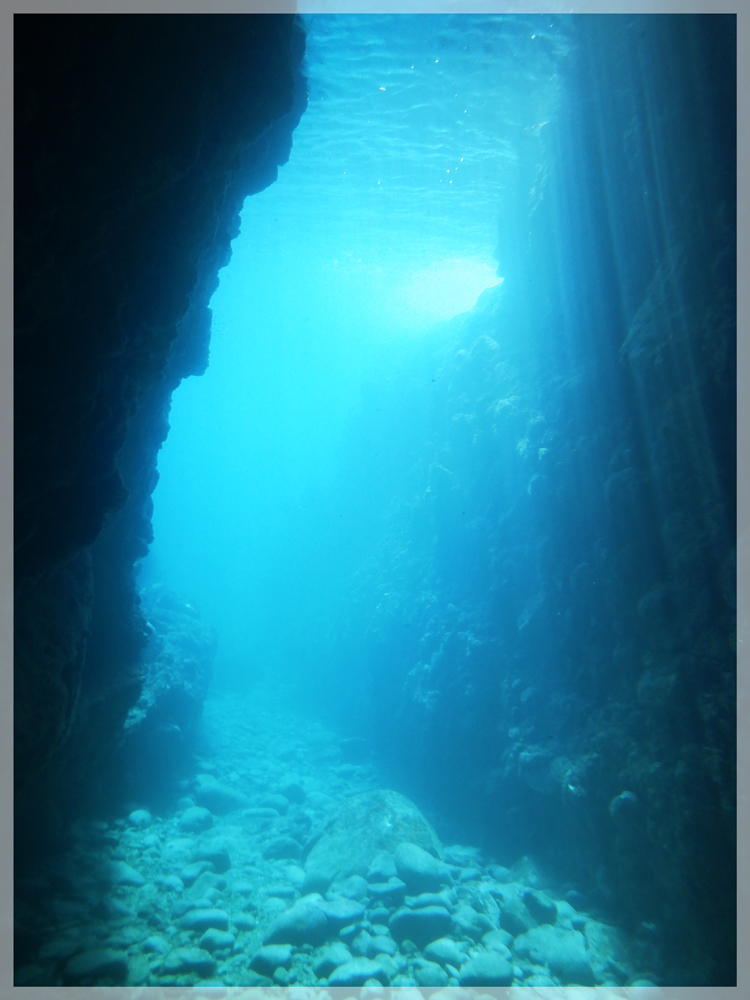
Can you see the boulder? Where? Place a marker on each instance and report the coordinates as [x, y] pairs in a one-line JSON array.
[[363, 827]]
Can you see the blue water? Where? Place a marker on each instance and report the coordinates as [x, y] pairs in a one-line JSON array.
[[457, 484], [385, 221]]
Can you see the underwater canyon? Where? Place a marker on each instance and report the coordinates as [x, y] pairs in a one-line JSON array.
[[498, 608]]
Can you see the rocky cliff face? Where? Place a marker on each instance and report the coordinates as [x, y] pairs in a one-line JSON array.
[[136, 142]]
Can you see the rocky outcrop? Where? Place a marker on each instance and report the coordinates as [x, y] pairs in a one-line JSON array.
[[136, 141], [177, 665]]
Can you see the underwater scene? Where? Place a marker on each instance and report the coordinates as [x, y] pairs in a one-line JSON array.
[[438, 683]]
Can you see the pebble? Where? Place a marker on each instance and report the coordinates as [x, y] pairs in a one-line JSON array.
[[180, 916]]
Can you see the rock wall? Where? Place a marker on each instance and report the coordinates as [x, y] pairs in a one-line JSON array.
[[137, 139], [543, 626]]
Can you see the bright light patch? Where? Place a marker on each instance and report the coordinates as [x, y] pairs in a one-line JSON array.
[[443, 290]]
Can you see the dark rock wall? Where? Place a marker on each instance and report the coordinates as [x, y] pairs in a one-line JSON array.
[[136, 140], [541, 635]]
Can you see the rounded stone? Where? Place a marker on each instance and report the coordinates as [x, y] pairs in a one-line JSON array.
[[486, 969], [430, 974], [331, 958], [216, 940], [196, 819], [140, 818], [357, 972], [202, 920], [417, 868], [341, 911], [303, 923], [420, 926], [444, 951], [270, 957]]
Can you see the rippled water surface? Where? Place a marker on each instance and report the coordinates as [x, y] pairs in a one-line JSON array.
[[409, 142]]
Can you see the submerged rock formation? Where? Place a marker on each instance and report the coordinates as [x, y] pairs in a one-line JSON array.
[[136, 140]]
